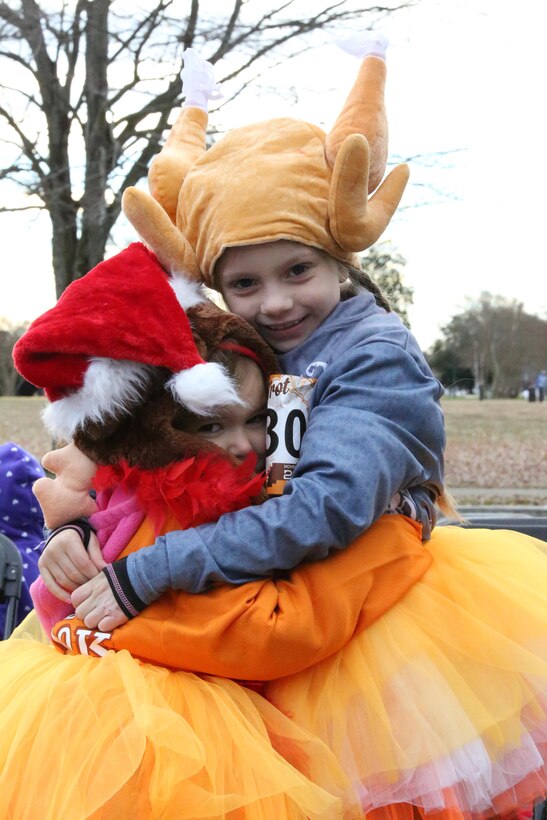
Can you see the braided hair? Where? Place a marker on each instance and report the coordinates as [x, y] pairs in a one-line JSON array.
[[359, 280]]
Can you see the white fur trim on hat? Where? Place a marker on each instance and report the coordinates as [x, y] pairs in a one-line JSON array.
[[203, 387], [188, 293], [109, 389]]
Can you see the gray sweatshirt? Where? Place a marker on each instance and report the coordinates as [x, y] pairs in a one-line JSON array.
[[375, 428]]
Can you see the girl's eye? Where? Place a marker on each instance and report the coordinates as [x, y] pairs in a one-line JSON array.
[[242, 284], [210, 428], [300, 269], [258, 419]]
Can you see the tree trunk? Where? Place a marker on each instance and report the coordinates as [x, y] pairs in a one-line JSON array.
[[63, 214], [64, 244], [91, 245], [98, 141], [497, 374]]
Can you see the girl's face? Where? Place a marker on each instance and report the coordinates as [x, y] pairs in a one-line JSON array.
[[284, 289], [240, 429]]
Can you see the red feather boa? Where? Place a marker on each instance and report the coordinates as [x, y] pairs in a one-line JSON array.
[[197, 490]]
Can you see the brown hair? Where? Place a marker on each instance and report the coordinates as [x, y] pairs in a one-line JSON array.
[[447, 505], [359, 280]]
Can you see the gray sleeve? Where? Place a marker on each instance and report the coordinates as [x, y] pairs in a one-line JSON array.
[[376, 427]]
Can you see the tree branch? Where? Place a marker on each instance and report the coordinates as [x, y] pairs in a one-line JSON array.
[[73, 48], [32, 32], [188, 37], [29, 148], [148, 24], [10, 16], [121, 122], [4, 210]]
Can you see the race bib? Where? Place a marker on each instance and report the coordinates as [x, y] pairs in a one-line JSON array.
[[288, 409]]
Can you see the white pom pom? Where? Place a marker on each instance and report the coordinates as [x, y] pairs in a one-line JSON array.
[[188, 293], [111, 388], [203, 387]]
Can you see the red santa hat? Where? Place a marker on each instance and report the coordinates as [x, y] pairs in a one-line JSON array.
[[93, 351]]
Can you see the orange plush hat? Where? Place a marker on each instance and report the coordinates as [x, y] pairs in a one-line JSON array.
[[283, 178]]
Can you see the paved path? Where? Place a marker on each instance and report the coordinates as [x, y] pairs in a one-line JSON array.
[[508, 495]]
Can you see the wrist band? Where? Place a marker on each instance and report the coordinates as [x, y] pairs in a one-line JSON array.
[[82, 527], [122, 589]]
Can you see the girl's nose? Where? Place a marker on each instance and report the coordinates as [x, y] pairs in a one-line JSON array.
[[239, 444], [275, 301]]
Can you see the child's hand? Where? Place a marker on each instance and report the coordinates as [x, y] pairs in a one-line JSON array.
[[65, 564], [94, 552], [95, 605]]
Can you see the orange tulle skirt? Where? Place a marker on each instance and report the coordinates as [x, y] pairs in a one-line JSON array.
[[113, 738], [437, 709], [441, 704]]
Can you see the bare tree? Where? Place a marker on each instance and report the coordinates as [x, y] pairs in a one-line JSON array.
[[385, 265], [88, 87], [9, 378], [502, 345]]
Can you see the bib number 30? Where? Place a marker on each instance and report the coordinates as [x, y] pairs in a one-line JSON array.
[[292, 431], [287, 420]]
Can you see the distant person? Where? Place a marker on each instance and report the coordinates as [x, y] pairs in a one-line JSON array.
[[541, 381], [21, 518]]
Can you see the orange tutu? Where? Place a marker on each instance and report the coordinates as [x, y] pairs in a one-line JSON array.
[[442, 702], [112, 737], [137, 739], [438, 707]]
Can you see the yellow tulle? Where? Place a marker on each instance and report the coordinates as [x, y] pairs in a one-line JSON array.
[[114, 738], [439, 707], [31, 629], [442, 701]]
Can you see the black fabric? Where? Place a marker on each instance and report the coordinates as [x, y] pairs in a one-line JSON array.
[[126, 597], [85, 527], [80, 525]]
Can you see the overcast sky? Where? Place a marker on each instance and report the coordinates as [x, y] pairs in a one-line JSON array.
[[466, 85]]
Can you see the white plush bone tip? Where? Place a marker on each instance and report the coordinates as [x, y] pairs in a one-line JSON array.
[[364, 43], [198, 81]]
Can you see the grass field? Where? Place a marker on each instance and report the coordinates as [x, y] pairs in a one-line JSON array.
[[496, 450], [20, 422], [496, 445]]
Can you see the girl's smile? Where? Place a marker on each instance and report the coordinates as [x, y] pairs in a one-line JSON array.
[[284, 289], [282, 332]]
